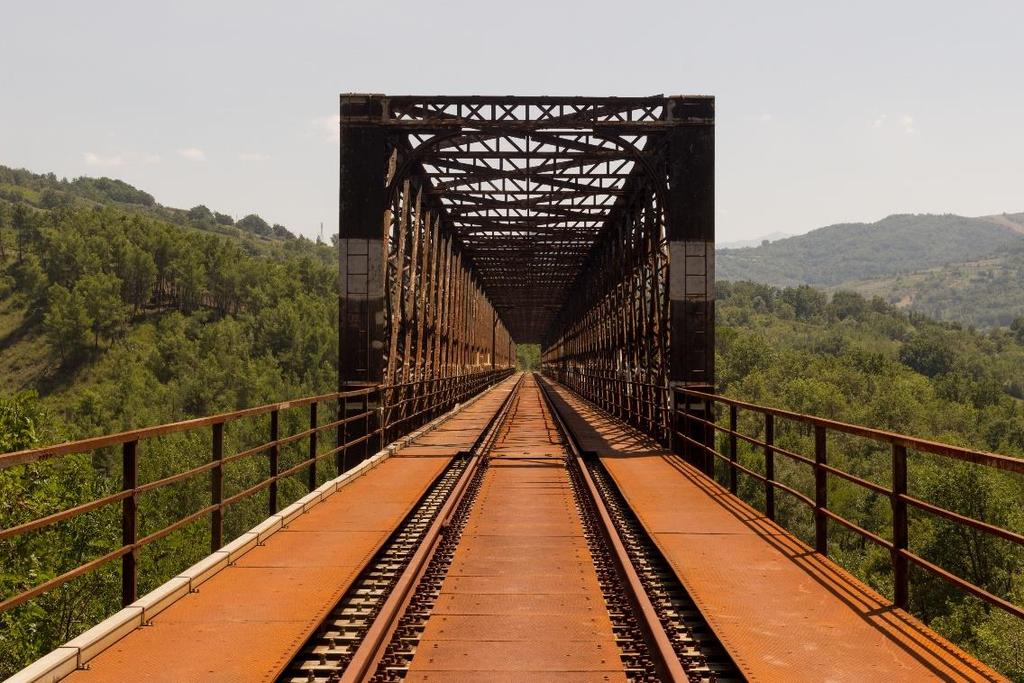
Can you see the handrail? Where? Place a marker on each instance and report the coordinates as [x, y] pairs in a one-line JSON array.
[[93, 443], [1003, 462], [361, 428], [696, 426]]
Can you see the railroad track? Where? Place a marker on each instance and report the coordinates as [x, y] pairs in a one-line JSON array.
[[623, 611]]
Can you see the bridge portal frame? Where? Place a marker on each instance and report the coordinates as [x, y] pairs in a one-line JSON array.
[[582, 223]]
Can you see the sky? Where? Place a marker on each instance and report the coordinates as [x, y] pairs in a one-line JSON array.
[[827, 112]]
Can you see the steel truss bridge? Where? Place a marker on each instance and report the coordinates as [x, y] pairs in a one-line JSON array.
[[442, 516]]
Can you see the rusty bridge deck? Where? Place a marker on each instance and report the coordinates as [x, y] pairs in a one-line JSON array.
[[521, 590]]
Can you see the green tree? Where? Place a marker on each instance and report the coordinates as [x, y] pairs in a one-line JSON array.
[[282, 232], [848, 305], [256, 225], [100, 294], [1017, 327], [200, 214], [139, 278], [806, 301], [19, 419], [25, 231], [33, 283], [66, 322], [929, 353]]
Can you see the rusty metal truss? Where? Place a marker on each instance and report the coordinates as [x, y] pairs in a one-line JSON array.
[[585, 224]]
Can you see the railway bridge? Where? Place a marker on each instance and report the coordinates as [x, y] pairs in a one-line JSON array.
[[443, 516]]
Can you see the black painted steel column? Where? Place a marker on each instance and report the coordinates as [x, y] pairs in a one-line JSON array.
[[361, 207], [690, 216]]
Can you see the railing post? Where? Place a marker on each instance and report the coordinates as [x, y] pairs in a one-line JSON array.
[[217, 489], [709, 439], [769, 465], [900, 530], [129, 522], [367, 424], [275, 454], [820, 490], [339, 439], [312, 446], [733, 422]]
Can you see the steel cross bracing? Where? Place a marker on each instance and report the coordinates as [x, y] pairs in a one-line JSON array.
[[535, 219]]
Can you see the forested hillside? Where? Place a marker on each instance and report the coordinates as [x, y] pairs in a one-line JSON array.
[[118, 318], [46, 191]]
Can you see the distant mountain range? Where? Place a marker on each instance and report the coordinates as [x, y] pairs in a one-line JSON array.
[[757, 241], [969, 270]]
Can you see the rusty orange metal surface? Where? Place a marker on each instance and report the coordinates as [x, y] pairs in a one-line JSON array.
[[521, 600], [247, 622], [783, 611]]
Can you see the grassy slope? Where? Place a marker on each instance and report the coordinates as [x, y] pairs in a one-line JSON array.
[[988, 292]]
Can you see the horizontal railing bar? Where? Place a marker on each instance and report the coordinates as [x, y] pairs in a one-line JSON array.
[[969, 521], [976, 591], [63, 515], [720, 456], [793, 492], [84, 445], [857, 529], [355, 442], [171, 528], [777, 484], [877, 488], [743, 437], [1003, 462], [56, 581]]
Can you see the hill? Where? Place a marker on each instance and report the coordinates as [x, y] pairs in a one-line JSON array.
[[966, 270], [846, 252], [988, 292], [45, 191], [107, 298]]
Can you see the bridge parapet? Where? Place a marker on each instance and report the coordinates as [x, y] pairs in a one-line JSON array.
[[254, 460], [740, 438]]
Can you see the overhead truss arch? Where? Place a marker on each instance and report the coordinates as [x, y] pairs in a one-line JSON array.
[[567, 216]]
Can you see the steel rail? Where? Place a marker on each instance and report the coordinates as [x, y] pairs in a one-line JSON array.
[[658, 642], [371, 649]]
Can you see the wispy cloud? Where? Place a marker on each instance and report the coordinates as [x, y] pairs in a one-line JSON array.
[[253, 156], [330, 127], [103, 160], [904, 121], [116, 159], [192, 154]]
